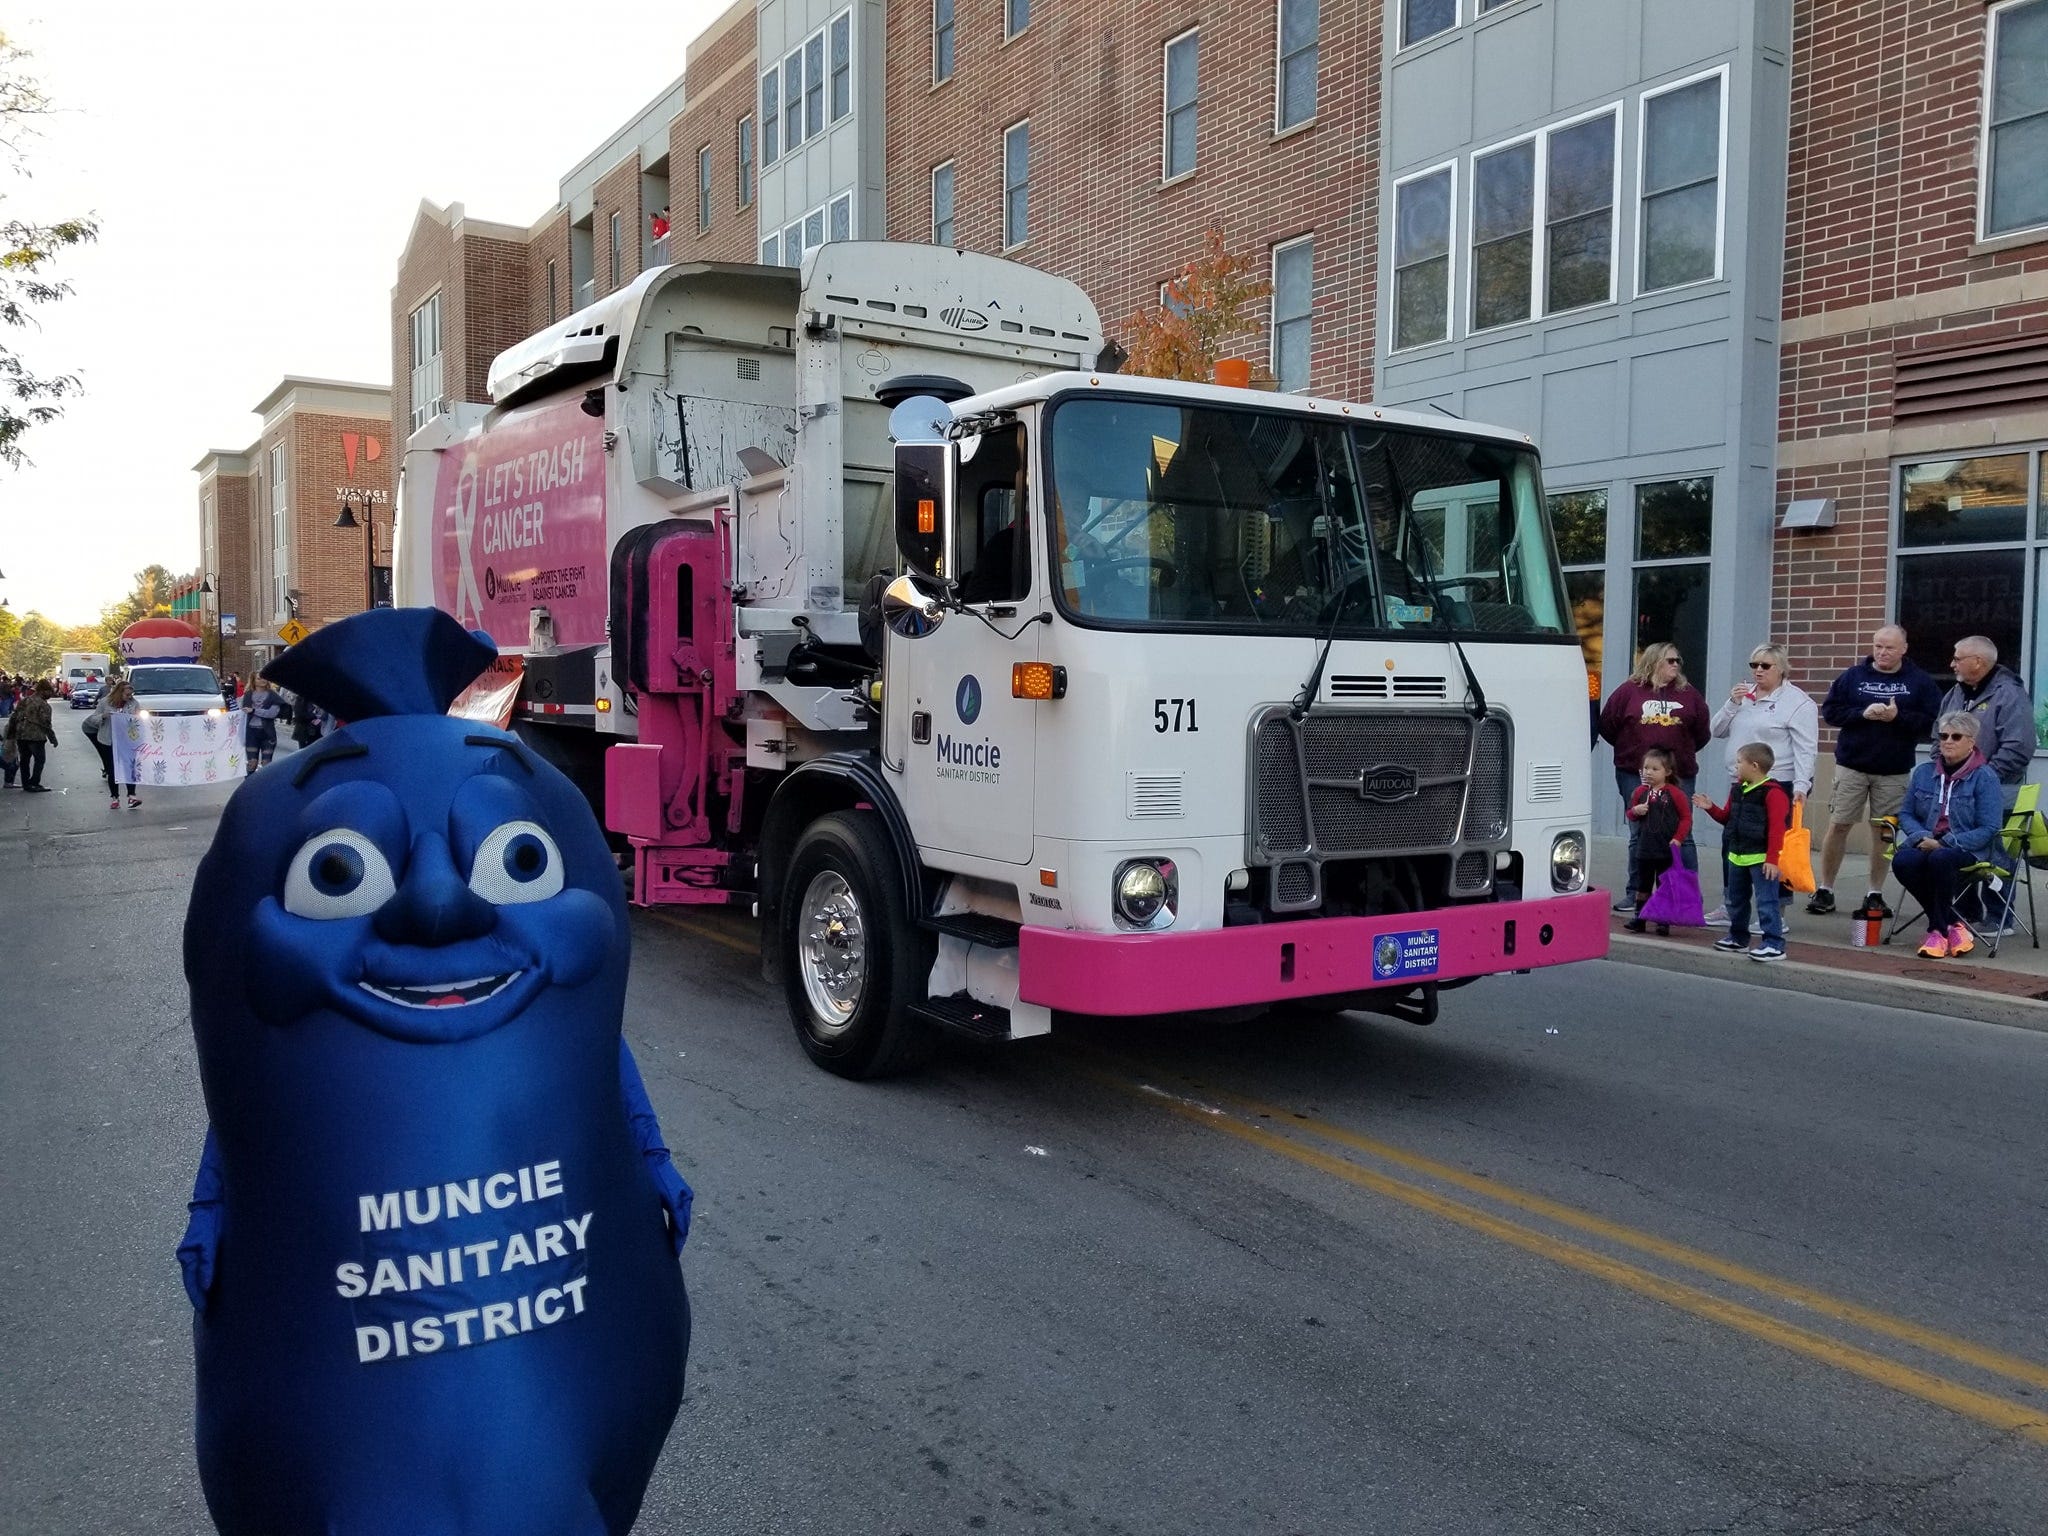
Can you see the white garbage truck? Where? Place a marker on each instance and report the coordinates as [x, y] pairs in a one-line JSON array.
[[1001, 685]]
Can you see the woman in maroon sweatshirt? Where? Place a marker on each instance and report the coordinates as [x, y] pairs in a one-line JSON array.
[[1655, 707]]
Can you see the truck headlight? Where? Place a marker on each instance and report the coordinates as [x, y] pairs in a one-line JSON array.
[[1147, 893], [1568, 862]]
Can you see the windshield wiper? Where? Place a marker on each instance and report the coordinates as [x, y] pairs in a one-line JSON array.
[[1305, 700], [1475, 696]]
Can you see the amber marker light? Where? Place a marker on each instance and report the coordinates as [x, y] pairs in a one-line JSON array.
[[604, 706], [1037, 680], [1049, 878], [927, 515]]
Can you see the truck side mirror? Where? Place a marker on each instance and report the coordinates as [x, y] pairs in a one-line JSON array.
[[913, 605], [924, 504]]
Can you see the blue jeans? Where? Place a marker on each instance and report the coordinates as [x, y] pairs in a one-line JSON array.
[[1628, 782], [1746, 881]]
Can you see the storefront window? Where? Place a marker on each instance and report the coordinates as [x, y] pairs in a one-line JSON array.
[[1579, 519], [1963, 501], [1674, 540]]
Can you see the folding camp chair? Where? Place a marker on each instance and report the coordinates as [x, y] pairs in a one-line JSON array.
[[2022, 839]]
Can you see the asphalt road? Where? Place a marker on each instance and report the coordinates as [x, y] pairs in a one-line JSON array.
[[1603, 1251]]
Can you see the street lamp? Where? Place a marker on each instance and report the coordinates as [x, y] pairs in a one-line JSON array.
[[220, 656], [368, 524]]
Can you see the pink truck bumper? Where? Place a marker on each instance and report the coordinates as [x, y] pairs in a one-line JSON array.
[[1123, 974]]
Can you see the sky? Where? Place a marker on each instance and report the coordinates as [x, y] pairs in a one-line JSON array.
[[255, 167]]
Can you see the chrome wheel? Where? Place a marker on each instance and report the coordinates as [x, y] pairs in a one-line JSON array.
[[832, 952]]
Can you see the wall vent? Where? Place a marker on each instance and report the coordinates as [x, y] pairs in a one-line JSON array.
[[1153, 796], [750, 369], [1546, 782]]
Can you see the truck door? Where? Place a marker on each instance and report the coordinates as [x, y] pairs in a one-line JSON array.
[[969, 748]]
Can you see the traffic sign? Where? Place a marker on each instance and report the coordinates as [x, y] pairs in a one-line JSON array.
[[291, 631]]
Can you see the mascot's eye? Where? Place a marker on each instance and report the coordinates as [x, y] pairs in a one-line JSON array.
[[337, 874], [517, 862]]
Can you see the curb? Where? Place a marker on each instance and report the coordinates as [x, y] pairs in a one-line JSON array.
[[1882, 990]]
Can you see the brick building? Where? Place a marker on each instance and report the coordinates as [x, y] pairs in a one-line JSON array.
[[268, 514], [1100, 139], [1914, 345]]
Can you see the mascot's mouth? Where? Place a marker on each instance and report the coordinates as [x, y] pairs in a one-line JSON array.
[[444, 994]]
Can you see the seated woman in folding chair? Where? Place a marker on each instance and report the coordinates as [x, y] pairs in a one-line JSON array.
[[1951, 819]]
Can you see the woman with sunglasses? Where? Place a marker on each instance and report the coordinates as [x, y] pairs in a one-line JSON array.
[[1654, 707], [1781, 715], [1950, 820]]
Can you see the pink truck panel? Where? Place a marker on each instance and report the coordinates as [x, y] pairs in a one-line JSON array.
[[1148, 973], [519, 524]]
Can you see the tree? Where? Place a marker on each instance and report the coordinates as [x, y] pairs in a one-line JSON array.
[[1199, 311], [149, 598], [10, 631], [27, 250], [36, 647]]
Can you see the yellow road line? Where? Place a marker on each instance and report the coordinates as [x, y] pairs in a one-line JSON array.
[[1983, 1406], [1963, 1351], [703, 931]]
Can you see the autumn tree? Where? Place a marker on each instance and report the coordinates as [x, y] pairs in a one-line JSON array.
[[27, 251], [1200, 311], [36, 647]]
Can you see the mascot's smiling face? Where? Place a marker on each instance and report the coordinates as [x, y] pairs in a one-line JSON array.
[[420, 883]]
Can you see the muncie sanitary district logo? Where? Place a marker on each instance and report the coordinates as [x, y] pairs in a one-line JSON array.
[[967, 700]]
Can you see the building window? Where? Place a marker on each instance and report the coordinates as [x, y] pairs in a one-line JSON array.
[[553, 293], [1971, 533], [942, 41], [842, 65], [424, 329], [1674, 542], [793, 101], [1503, 239], [703, 188], [793, 245], [942, 204], [1016, 17], [1680, 218], [280, 522], [1017, 184], [1293, 291], [1294, 85], [771, 251], [1578, 213], [814, 229], [1422, 257], [771, 119], [1580, 521], [744, 171], [1422, 19], [840, 216], [814, 86], [2016, 119], [1177, 128], [618, 258]]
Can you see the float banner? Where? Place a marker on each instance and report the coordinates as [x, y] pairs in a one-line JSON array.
[[494, 693], [519, 525], [172, 751]]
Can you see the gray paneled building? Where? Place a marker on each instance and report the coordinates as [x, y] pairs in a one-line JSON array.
[[1584, 238]]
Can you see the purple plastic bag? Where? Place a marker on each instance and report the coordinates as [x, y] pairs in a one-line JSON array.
[[1676, 900]]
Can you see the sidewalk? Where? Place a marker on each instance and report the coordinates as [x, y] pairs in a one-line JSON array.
[[1820, 959]]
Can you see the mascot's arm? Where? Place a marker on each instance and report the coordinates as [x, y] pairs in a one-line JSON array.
[[202, 1230], [675, 1194]]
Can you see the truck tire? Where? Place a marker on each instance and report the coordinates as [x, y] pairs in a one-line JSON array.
[[854, 961]]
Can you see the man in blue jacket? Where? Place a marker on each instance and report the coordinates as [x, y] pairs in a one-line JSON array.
[[1882, 709], [2005, 735]]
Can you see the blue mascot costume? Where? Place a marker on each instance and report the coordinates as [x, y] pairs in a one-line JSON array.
[[434, 1237]]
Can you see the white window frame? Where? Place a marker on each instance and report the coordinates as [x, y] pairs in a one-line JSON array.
[[426, 380], [831, 211], [952, 31], [554, 293], [952, 202], [1719, 72], [1306, 317], [1398, 10], [615, 260], [1280, 67], [771, 250], [814, 83], [1167, 109], [703, 189], [833, 118], [1539, 245], [280, 519], [1009, 244], [1450, 258], [793, 239], [1992, 18], [746, 159], [793, 60], [1009, 14], [771, 121]]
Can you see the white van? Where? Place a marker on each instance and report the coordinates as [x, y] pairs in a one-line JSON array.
[[175, 688]]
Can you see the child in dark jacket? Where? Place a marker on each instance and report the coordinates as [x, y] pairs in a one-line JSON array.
[[1662, 818], [1756, 816]]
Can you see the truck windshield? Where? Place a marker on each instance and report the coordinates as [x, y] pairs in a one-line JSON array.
[[1176, 516], [156, 680]]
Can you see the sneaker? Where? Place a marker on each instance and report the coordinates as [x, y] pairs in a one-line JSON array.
[[1635, 925], [1959, 941], [1626, 904], [1934, 946], [1728, 941], [134, 803], [114, 804], [1875, 902], [1718, 915], [1767, 951], [1663, 930], [1823, 902]]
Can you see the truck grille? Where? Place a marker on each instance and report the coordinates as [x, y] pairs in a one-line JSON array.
[[1379, 783]]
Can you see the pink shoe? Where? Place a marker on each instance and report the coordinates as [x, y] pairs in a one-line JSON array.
[[1959, 941], [1935, 945]]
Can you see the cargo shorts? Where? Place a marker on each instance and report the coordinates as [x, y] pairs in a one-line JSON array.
[[1858, 796]]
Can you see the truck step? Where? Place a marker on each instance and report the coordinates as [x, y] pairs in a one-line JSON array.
[[976, 928], [964, 1015]]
